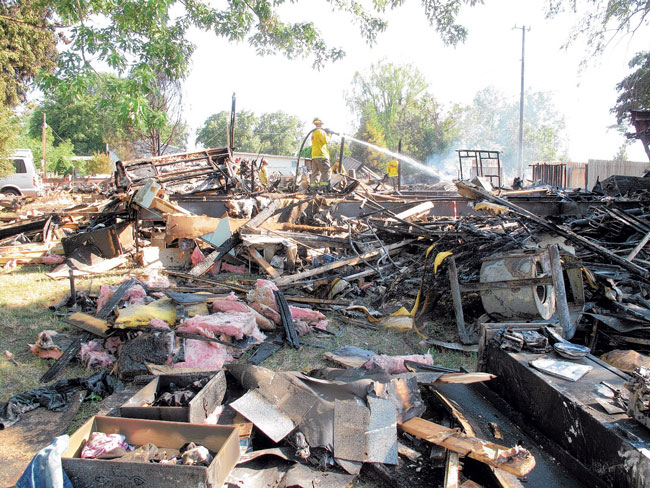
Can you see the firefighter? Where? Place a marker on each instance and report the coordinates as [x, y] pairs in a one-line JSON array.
[[392, 171], [321, 171], [264, 177]]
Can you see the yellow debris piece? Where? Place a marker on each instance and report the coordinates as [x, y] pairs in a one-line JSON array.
[[136, 315], [399, 320], [440, 257], [491, 208]]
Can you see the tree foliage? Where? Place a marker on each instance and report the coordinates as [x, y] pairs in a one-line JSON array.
[[492, 123], [58, 157], [634, 89], [393, 104], [271, 133], [100, 164], [602, 20], [279, 133]]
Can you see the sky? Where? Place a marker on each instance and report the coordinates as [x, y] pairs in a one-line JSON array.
[[491, 56]]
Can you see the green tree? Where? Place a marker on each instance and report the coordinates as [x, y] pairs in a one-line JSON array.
[[100, 164], [393, 104], [58, 157], [279, 133], [492, 123], [214, 132], [77, 119], [601, 21], [27, 46], [634, 94]]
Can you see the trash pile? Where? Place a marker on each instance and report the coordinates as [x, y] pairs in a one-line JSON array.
[[228, 275]]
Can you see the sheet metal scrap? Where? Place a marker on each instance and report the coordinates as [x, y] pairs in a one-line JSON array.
[[354, 420]]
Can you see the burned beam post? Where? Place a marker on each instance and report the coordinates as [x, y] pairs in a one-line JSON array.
[[287, 320]]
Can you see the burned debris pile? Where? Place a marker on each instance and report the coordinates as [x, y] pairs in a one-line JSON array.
[[551, 288]]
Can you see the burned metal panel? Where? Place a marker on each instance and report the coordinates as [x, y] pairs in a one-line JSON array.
[[111, 241], [614, 447]]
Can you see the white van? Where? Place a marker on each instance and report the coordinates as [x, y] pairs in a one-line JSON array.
[[25, 181]]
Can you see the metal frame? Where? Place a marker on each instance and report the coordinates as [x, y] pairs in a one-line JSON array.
[[478, 156]]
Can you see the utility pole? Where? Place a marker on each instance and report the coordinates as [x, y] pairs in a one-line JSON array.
[[44, 147], [521, 104]]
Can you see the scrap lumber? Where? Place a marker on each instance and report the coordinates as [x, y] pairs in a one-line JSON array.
[[413, 211], [452, 470], [87, 322], [67, 356], [286, 280], [463, 378], [262, 263], [261, 217], [201, 268], [517, 461], [638, 247], [205, 280]]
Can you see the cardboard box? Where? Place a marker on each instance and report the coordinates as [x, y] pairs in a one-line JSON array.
[[199, 408], [223, 441]]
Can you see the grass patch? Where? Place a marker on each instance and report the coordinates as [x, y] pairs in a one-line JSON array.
[[25, 297]]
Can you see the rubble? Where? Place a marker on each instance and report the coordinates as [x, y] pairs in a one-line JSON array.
[[226, 275]]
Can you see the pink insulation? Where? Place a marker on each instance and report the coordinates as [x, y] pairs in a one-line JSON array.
[[197, 256], [395, 364], [113, 344], [312, 317], [302, 328], [154, 279], [231, 304], [135, 294], [267, 312], [159, 324], [53, 259], [263, 294], [231, 268], [93, 354], [235, 324], [204, 355]]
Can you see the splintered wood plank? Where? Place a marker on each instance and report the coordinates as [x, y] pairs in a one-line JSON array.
[[286, 280], [517, 461], [263, 263], [464, 378], [87, 322], [264, 215]]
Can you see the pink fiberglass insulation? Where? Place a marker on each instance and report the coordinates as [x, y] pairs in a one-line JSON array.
[[53, 259], [263, 294], [159, 324], [235, 324], [312, 317], [395, 364], [302, 327], [197, 256], [231, 268], [267, 312], [204, 355], [99, 360], [135, 294], [88, 347], [231, 304], [113, 344]]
